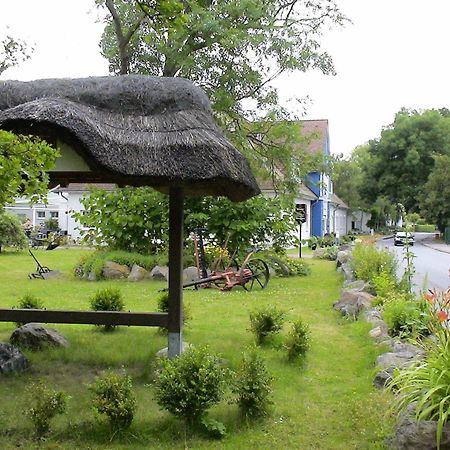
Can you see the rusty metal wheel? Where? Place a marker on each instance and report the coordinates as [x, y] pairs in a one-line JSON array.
[[254, 274]]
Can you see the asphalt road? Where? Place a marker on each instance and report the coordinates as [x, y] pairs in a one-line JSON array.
[[432, 266]]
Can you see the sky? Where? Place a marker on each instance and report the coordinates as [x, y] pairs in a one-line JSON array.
[[394, 54]]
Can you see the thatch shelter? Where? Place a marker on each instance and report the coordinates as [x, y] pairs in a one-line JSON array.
[[132, 130]]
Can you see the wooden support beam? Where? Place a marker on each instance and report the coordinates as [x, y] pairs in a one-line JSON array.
[[176, 205], [141, 319]]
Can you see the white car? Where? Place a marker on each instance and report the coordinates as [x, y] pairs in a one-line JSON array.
[[403, 237]]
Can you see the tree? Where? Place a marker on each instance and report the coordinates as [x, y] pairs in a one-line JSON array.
[[402, 159], [136, 219], [233, 49], [24, 162], [12, 52], [11, 233], [435, 198]]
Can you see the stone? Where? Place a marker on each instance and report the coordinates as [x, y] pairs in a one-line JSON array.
[[190, 274], [343, 256], [399, 347], [35, 336], [356, 286], [138, 273], [348, 272], [411, 434], [372, 315], [378, 333], [91, 276], [160, 273], [12, 360], [395, 359], [113, 271], [163, 352], [352, 303], [383, 378]]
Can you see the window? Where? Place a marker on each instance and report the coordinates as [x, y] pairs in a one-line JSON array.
[[41, 214], [54, 214]]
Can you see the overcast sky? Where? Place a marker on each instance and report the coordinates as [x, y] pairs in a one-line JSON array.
[[395, 54]]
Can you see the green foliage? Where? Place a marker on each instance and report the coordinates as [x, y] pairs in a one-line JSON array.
[[113, 396], [29, 301], [253, 386], [107, 299], [162, 302], [285, 266], [265, 322], [298, 340], [52, 224], [406, 318], [44, 404], [11, 232], [190, 384], [384, 283], [95, 261], [424, 228], [13, 52], [24, 162], [232, 49], [136, 220], [297, 266], [367, 261], [214, 428], [329, 253], [435, 198]]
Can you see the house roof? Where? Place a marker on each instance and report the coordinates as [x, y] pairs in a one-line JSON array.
[[318, 130], [337, 201], [131, 129], [302, 191]]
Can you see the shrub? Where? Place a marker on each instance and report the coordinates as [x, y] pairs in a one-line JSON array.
[[190, 384], [11, 232], [45, 404], [253, 386], [329, 253], [113, 396], [297, 341], [367, 261], [285, 266], [265, 322], [405, 317], [107, 299], [297, 266], [29, 301], [162, 302]]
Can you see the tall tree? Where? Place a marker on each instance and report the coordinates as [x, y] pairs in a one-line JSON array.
[[233, 49], [13, 52], [402, 158], [435, 198]]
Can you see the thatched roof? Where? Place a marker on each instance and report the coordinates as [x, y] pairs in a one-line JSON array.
[[134, 130]]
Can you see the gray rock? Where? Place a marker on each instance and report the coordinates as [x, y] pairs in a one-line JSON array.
[[138, 273], [12, 360], [395, 359], [190, 274], [357, 285], [343, 256], [91, 276], [379, 334], [160, 273], [112, 270], [348, 272], [411, 434], [163, 352], [35, 336], [400, 347], [383, 378], [352, 303], [372, 315]]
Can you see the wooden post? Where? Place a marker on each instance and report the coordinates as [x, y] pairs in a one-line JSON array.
[[175, 271]]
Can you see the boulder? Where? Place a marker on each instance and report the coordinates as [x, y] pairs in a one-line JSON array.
[[112, 270], [91, 276], [396, 359], [163, 352], [343, 256], [356, 286], [352, 303], [348, 272], [12, 360], [160, 273], [35, 336], [372, 315], [190, 274], [379, 334], [383, 378], [411, 434], [138, 273]]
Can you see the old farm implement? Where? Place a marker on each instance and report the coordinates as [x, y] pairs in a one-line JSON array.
[[226, 273]]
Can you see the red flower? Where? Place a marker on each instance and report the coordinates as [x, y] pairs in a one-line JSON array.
[[442, 315]]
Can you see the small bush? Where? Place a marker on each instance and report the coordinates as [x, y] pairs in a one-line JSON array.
[[384, 283], [297, 341], [162, 302], [297, 267], [253, 386], [367, 261], [190, 384], [108, 299], [329, 253], [265, 322], [405, 317], [29, 301], [113, 396], [45, 404]]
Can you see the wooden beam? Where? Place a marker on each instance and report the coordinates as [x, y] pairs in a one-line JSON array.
[[175, 271], [142, 319]]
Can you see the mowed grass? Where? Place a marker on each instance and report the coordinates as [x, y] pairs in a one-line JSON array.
[[326, 403]]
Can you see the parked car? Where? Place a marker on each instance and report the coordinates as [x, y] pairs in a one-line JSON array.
[[403, 237]]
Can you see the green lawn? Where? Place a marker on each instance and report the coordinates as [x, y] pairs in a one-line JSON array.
[[329, 403]]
